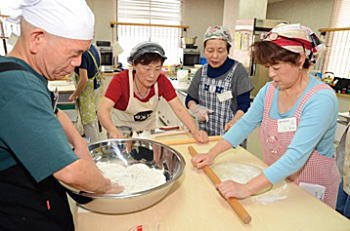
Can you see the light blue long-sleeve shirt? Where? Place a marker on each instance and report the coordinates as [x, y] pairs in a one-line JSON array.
[[315, 131]]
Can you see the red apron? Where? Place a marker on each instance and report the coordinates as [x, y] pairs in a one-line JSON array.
[[318, 169]]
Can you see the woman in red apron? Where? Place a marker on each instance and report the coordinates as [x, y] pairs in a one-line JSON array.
[[297, 116], [135, 94]]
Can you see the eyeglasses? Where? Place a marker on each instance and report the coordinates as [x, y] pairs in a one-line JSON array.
[[271, 36]]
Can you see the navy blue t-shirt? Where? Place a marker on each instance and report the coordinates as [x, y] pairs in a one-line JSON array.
[[88, 63]]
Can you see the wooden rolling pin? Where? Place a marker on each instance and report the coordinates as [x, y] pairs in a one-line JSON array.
[[156, 136], [187, 140], [234, 203]]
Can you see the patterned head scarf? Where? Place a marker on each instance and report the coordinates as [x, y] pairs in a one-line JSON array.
[[295, 38], [64, 18], [218, 32]]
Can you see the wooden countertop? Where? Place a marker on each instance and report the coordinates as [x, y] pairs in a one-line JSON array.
[[194, 204], [180, 85], [62, 85], [109, 74], [343, 95]]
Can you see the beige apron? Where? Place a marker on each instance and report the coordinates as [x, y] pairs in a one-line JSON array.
[[138, 115]]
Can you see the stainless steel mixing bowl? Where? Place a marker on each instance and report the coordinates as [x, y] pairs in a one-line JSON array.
[[127, 152]]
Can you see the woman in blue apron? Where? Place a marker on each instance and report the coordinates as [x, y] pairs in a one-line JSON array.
[[219, 93]]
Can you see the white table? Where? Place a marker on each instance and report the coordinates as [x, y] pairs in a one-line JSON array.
[[194, 204]]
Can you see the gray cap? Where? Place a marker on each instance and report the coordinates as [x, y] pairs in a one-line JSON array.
[[144, 48]]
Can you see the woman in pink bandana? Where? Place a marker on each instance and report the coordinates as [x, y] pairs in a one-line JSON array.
[[297, 117]]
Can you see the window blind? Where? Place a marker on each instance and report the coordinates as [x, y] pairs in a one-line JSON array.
[[164, 12], [337, 56], [340, 15], [7, 29]]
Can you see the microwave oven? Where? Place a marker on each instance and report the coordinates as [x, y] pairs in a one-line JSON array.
[[106, 52], [106, 56], [191, 57]]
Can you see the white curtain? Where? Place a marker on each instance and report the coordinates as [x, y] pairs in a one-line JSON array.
[[337, 57], [163, 12]]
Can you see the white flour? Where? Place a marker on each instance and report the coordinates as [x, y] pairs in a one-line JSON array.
[[134, 178], [276, 194], [241, 173]]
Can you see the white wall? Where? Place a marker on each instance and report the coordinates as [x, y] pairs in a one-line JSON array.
[[231, 11], [249, 9], [105, 11], [315, 14], [201, 14], [230, 16]]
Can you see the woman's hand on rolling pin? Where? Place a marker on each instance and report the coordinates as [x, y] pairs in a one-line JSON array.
[[230, 188], [201, 136], [201, 160]]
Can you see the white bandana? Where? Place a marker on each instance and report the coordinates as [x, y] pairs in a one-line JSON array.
[[65, 18]]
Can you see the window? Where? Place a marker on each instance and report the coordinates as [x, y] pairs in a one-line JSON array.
[[337, 56], [163, 14], [8, 30]]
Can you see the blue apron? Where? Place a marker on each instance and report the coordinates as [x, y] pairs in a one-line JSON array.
[[209, 89]]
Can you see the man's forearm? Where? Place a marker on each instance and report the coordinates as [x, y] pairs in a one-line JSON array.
[[71, 132], [79, 144]]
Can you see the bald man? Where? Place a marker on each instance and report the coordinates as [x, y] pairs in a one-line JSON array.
[[34, 137]]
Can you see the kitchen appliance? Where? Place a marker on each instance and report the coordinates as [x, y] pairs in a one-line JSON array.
[[106, 52], [341, 85], [128, 152], [189, 42], [248, 31], [191, 56]]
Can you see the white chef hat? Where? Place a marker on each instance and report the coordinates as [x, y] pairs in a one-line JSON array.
[[65, 18]]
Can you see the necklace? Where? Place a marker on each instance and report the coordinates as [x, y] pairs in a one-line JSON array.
[[139, 92]]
